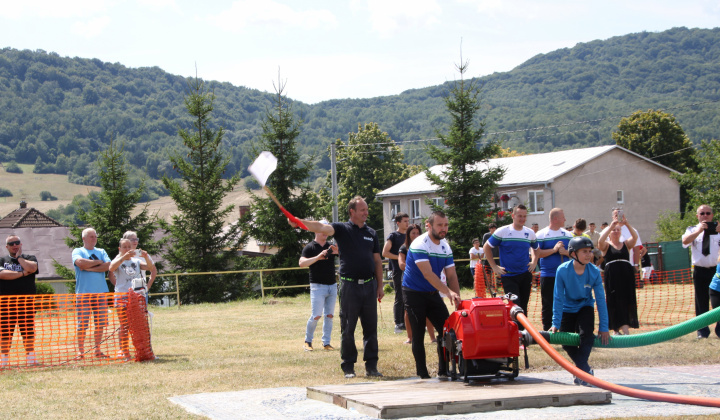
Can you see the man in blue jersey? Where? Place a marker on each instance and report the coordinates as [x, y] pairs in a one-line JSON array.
[[428, 256], [514, 242], [551, 252], [575, 283]]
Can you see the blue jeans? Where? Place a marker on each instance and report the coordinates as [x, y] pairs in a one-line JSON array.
[[322, 303]]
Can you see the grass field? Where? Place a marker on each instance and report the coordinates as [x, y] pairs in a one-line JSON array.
[[250, 344]]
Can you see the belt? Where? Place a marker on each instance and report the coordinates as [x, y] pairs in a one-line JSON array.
[[610, 262], [359, 281]]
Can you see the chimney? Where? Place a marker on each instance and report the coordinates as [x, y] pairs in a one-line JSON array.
[[23, 204]]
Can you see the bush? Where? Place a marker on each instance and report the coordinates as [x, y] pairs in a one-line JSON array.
[[4, 192], [44, 289], [47, 196], [13, 168]]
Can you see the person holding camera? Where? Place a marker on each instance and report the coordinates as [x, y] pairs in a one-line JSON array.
[[619, 275], [705, 243], [134, 241], [319, 255], [128, 268]]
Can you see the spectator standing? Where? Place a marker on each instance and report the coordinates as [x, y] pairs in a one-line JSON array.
[[579, 228], [361, 283], [535, 227], [551, 252], [704, 241], [619, 276], [390, 251], [514, 242], [319, 255], [90, 266], [576, 281], [476, 254], [128, 267], [134, 242], [487, 269], [17, 281], [594, 237], [428, 256]]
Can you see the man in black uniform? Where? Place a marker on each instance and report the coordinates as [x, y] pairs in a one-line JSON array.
[[17, 277], [390, 251], [360, 284]]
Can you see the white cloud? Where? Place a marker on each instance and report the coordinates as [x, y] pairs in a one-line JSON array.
[[268, 13], [54, 9], [92, 27], [157, 5], [391, 16]]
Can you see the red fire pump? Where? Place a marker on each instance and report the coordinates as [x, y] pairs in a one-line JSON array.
[[480, 339]]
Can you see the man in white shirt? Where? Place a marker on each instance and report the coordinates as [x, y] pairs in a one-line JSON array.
[[705, 243]]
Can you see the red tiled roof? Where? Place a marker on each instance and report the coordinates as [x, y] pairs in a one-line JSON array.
[[27, 218]]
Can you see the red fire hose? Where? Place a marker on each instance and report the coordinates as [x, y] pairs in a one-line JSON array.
[[623, 390]]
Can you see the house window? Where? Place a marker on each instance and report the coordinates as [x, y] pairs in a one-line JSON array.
[[394, 209], [438, 202], [620, 197], [536, 202], [415, 209]]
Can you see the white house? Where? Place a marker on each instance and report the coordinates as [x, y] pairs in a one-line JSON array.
[[585, 183]]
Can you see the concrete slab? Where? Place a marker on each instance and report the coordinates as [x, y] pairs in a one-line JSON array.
[[291, 403]]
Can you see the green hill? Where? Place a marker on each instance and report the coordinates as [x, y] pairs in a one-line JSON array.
[[57, 112]]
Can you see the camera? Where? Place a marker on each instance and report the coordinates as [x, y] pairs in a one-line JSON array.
[[711, 227]]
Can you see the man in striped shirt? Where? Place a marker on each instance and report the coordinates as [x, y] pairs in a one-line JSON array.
[[428, 256]]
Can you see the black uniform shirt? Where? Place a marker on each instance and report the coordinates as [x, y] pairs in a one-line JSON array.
[[356, 246], [396, 239], [321, 271], [24, 285]]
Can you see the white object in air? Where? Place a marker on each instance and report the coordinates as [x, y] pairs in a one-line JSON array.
[[264, 165]]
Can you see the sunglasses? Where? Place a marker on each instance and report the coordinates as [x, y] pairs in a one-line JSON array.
[[13, 243], [703, 213]]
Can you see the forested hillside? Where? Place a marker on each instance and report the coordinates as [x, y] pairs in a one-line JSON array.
[[58, 112]]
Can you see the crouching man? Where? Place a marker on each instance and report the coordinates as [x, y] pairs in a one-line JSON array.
[[428, 255], [575, 282]]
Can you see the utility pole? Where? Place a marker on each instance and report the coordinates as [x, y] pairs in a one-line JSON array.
[[333, 174]]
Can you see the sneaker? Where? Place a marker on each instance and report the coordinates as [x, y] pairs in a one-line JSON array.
[[307, 346], [328, 347], [4, 360], [700, 336], [31, 360], [399, 328], [373, 373], [349, 375]]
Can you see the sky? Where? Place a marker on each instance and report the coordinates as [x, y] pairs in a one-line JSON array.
[[332, 49]]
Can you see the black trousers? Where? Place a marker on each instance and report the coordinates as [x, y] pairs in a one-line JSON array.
[[547, 289], [358, 301], [399, 305], [702, 276], [583, 323], [519, 285], [419, 306], [715, 302]]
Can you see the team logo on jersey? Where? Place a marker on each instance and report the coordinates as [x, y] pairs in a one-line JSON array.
[[527, 235], [367, 238]]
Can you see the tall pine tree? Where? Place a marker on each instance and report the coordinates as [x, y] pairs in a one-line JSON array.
[[289, 182], [465, 182], [198, 240], [111, 209]]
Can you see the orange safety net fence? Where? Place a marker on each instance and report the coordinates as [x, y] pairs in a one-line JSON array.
[[41, 331], [664, 299]]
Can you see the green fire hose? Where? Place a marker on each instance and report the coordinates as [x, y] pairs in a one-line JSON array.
[[644, 339]]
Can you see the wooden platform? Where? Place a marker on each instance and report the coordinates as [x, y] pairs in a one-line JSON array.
[[415, 397]]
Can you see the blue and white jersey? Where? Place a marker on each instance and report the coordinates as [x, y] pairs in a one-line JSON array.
[[514, 246], [424, 249], [547, 239]]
